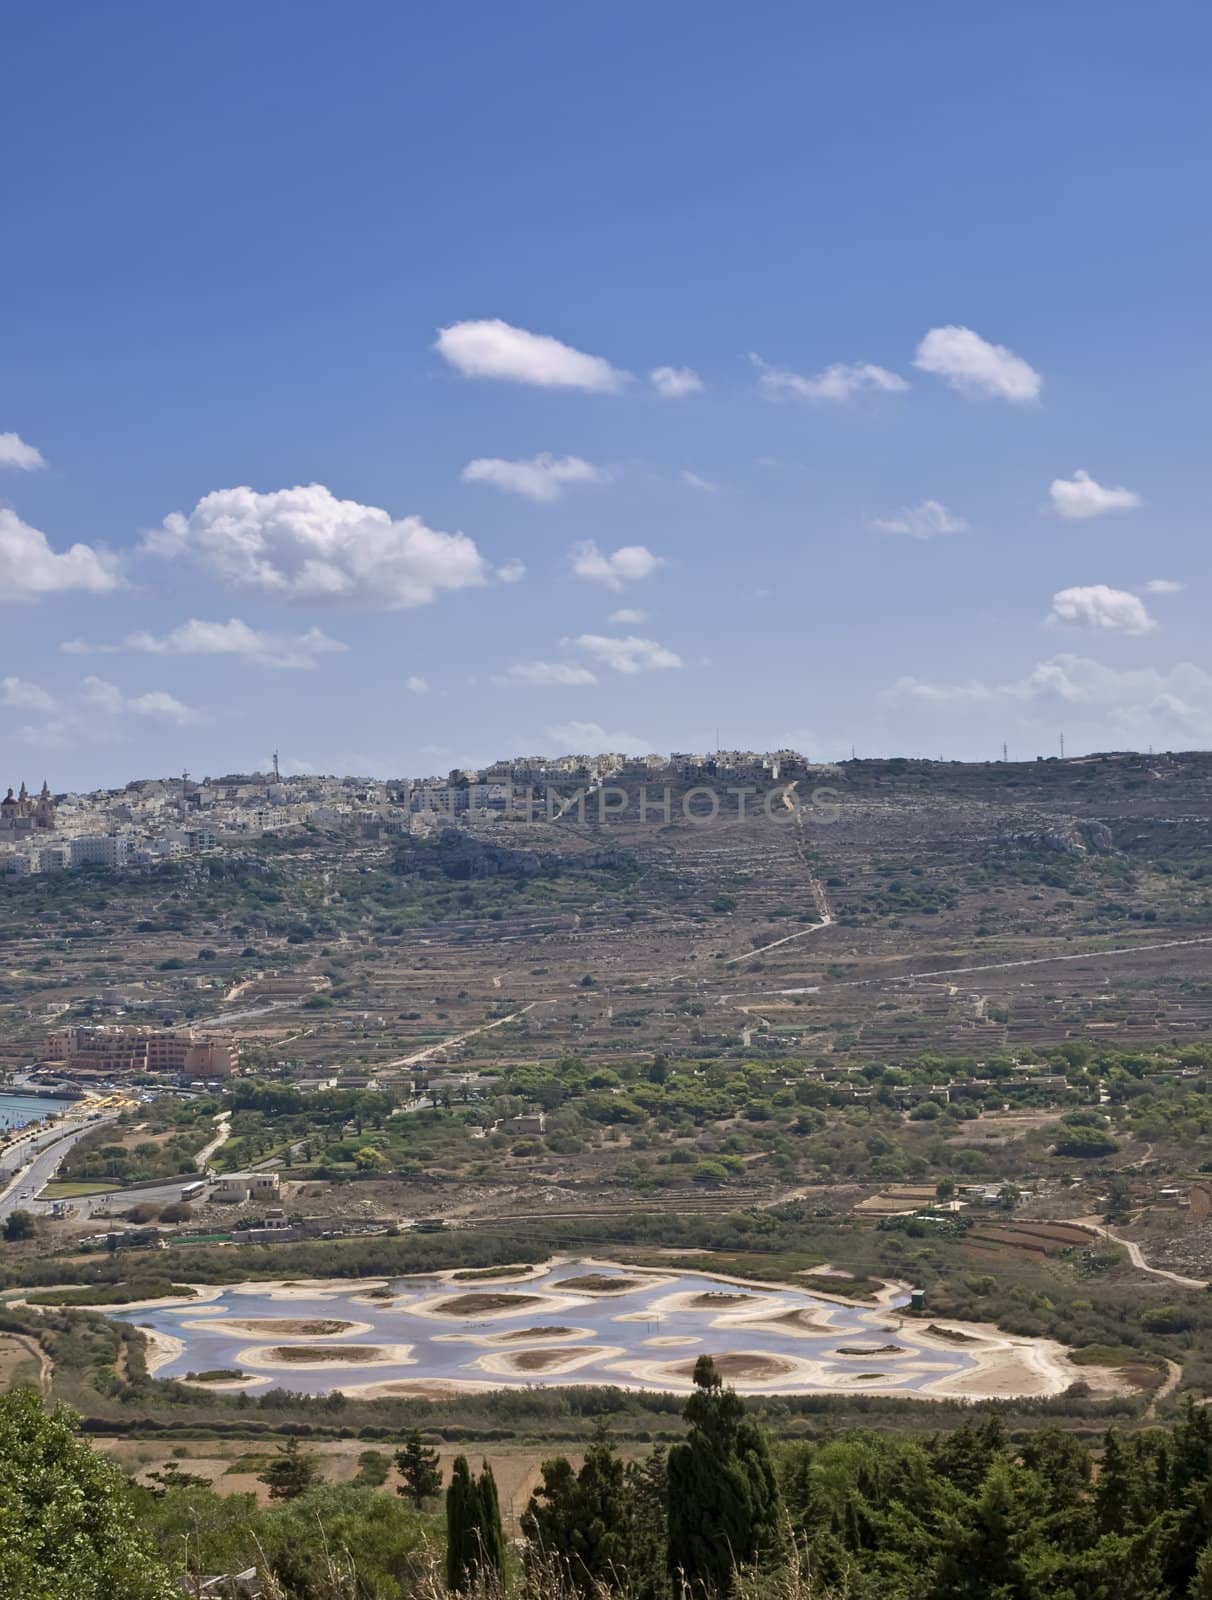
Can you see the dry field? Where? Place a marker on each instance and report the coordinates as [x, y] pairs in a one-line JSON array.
[[517, 1471]]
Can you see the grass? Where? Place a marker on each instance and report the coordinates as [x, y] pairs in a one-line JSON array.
[[113, 1294], [1111, 1355], [476, 1305], [64, 1189]]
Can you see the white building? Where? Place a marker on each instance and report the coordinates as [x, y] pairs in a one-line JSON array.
[[100, 850]]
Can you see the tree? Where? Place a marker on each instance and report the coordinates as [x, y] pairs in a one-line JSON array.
[[373, 1468], [418, 1466], [475, 1540], [585, 1519], [944, 1189], [724, 1503], [461, 1508], [69, 1527], [492, 1535], [371, 1539], [988, 1552], [20, 1225], [290, 1473]]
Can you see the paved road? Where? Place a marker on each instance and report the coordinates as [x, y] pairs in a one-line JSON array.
[[120, 1200], [50, 1148]]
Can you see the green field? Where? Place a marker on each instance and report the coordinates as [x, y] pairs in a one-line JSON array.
[[71, 1191]]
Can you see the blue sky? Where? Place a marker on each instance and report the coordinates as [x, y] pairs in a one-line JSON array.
[[966, 246]]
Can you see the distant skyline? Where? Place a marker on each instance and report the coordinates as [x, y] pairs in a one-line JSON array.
[[415, 388]]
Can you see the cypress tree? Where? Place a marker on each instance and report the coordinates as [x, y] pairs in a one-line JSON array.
[[475, 1540], [461, 1510], [491, 1553], [724, 1500]]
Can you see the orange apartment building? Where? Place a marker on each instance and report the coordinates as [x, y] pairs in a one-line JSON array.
[[109, 1052]]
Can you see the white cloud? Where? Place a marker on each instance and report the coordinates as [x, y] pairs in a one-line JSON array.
[[541, 478], [102, 696], [1095, 605], [693, 481], [973, 365], [675, 383], [29, 567], [417, 685], [81, 647], [625, 565], [1080, 497], [1164, 586], [235, 638], [629, 617], [304, 544], [842, 381], [591, 738], [22, 695], [548, 674], [164, 707], [95, 712], [98, 695], [627, 655], [916, 689], [494, 349], [16, 454], [511, 571], [1140, 705], [925, 521]]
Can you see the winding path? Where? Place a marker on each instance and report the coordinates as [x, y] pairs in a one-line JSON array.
[[223, 1121], [1138, 1261]]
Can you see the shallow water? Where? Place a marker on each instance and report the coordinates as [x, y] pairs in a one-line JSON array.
[[16, 1110], [613, 1334]]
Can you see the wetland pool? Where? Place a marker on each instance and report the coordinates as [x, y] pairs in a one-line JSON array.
[[573, 1322]]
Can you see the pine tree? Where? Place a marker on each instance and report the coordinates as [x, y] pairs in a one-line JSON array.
[[418, 1466], [990, 1550], [585, 1519], [1201, 1583], [724, 1503], [1113, 1492], [290, 1473]]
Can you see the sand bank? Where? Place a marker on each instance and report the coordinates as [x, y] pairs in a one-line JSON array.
[[444, 1306], [330, 1359], [744, 1369], [161, 1348], [306, 1288], [220, 1384], [555, 1361], [516, 1336], [282, 1327], [417, 1389]]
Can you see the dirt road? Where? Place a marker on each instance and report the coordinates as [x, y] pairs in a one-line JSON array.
[[1138, 1260]]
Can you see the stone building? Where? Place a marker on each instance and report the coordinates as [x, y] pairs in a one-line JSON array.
[[22, 814]]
